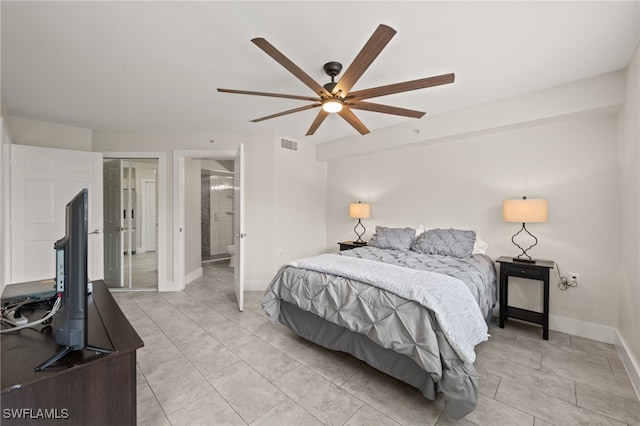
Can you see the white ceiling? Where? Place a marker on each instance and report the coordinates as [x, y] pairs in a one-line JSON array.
[[156, 65]]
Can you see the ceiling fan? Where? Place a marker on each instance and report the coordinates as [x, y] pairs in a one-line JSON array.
[[337, 96]]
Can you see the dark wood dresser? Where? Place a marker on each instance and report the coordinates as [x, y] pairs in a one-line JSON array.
[[83, 388]]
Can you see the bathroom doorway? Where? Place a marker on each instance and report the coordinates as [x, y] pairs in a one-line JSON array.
[[187, 233], [217, 214]]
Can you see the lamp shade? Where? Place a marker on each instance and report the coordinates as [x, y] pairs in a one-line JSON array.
[[359, 210], [525, 210]]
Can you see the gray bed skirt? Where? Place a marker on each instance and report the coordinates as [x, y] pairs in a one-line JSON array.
[[332, 336]]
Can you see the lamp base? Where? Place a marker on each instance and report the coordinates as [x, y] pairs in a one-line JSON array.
[[524, 257], [359, 234]]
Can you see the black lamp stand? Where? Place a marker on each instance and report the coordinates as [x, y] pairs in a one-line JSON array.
[[359, 234], [524, 257]]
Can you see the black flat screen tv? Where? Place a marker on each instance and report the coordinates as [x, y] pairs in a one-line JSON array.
[[70, 322]]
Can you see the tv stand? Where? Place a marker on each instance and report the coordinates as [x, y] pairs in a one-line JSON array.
[[67, 350], [83, 387]]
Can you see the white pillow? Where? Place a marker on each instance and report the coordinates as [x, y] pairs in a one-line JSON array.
[[480, 246]]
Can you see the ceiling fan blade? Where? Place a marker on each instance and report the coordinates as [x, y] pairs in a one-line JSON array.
[[387, 109], [381, 36], [353, 120], [291, 111], [273, 95], [406, 86], [322, 114], [290, 66]]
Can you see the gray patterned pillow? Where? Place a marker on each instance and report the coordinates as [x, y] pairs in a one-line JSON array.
[[392, 238], [446, 242]]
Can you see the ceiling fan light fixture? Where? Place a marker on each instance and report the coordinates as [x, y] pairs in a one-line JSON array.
[[332, 105]]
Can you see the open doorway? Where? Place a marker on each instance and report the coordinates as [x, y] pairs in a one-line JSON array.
[[216, 211], [131, 223], [187, 215]]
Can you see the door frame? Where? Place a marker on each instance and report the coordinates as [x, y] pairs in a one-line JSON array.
[[5, 207], [161, 202], [179, 157]]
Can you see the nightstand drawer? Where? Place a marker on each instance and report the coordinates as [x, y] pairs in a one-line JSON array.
[[524, 272]]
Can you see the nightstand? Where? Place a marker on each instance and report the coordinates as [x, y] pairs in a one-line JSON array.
[[539, 271], [348, 245]]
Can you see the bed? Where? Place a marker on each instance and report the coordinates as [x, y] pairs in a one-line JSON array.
[[411, 304]]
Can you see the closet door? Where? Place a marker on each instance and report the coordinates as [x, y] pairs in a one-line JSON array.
[[43, 181], [113, 224], [130, 215]]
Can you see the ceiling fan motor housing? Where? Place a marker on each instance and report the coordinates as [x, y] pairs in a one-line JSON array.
[[332, 69], [329, 86]]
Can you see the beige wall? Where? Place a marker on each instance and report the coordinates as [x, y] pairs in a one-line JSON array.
[[49, 135], [273, 189], [559, 143], [629, 288], [284, 191], [589, 96], [460, 173], [462, 183], [167, 142], [300, 188]]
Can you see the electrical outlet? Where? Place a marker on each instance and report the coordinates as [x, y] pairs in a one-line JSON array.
[[575, 277], [280, 253]]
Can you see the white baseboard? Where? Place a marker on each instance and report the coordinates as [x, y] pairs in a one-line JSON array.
[[588, 330], [255, 285], [584, 329], [193, 275], [633, 370]]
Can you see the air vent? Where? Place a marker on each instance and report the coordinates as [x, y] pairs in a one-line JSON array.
[[288, 144]]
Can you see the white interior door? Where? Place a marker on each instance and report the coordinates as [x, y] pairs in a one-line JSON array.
[[113, 226], [238, 226], [43, 181]]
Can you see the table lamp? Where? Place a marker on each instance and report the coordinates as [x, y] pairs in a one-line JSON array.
[[524, 211], [359, 211]]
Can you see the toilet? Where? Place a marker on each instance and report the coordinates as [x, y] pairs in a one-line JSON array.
[[231, 250]]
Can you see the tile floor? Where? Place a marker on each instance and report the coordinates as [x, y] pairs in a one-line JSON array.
[[144, 271], [205, 363]]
